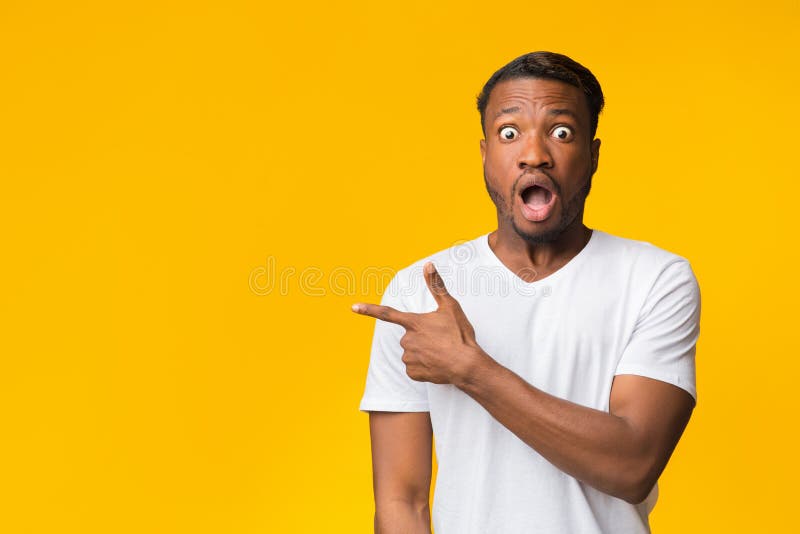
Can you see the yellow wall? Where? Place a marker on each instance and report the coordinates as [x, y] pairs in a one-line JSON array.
[[155, 157]]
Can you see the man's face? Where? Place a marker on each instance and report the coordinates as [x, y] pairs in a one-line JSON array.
[[538, 156]]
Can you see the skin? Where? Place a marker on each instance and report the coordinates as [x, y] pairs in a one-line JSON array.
[[527, 108], [621, 452]]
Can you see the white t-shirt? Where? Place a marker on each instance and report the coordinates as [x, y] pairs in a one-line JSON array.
[[618, 307]]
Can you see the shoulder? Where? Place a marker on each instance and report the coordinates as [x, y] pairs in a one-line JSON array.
[[638, 258], [634, 250], [650, 272]]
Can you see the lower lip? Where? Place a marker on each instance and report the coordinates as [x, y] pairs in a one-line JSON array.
[[539, 213]]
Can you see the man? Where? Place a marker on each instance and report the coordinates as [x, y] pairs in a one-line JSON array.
[[554, 364]]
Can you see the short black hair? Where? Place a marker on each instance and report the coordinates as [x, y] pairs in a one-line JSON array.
[[550, 66]]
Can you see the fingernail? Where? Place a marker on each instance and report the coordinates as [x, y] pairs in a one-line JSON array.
[[356, 308]]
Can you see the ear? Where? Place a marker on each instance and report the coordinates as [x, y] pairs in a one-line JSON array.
[[483, 151], [595, 150]]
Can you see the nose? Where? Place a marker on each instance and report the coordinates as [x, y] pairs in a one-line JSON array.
[[534, 153]]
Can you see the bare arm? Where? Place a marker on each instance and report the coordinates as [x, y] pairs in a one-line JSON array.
[[401, 471], [622, 452]]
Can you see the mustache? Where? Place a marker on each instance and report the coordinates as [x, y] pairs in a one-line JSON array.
[[538, 172]]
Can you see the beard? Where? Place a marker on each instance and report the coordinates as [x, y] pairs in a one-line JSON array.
[[572, 209]]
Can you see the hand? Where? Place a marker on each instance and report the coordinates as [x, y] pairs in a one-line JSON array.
[[439, 346]]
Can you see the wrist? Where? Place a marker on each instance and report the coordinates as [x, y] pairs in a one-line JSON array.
[[473, 366]]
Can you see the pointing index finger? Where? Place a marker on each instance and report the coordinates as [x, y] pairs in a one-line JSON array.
[[384, 313]]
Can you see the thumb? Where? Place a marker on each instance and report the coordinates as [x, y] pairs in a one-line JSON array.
[[436, 284]]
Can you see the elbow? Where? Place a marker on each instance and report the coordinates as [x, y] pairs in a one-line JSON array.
[[633, 480], [418, 507], [636, 494], [635, 484], [402, 517], [402, 510]]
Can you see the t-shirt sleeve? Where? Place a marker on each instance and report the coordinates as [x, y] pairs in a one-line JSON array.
[[388, 387], [663, 343]]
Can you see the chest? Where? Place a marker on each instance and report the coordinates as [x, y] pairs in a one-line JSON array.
[[566, 340]]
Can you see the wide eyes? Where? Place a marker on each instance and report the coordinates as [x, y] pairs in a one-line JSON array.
[[562, 133], [509, 133]]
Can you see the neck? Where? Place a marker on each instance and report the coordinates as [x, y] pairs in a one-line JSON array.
[[543, 259]]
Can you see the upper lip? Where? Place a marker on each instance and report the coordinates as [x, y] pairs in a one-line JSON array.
[[531, 179]]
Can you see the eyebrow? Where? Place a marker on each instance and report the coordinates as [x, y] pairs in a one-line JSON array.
[[507, 111], [552, 112], [568, 112]]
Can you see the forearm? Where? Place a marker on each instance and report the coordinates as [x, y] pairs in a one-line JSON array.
[[596, 447], [402, 517]]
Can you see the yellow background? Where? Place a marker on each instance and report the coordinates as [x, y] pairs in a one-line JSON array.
[[156, 156]]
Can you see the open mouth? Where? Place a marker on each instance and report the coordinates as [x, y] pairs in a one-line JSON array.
[[537, 202], [536, 196]]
